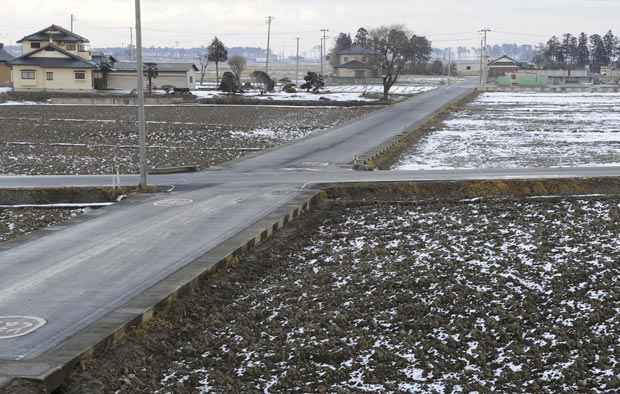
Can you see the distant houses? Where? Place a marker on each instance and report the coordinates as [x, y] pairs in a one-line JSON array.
[[355, 63], [55, 59]]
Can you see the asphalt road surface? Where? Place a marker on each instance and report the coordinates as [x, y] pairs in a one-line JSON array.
[[72, 277]]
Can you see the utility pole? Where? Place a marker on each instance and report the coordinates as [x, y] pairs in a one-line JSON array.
[[449, 64], [269, 20], [72, 20], [140, 103], [484, 60], [323, 43], [130, 43], [297, 64]]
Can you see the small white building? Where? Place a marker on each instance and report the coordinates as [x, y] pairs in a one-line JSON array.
[[468, 68], [122, 76]]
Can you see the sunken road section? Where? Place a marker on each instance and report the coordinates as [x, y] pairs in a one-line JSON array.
[[388, 289]]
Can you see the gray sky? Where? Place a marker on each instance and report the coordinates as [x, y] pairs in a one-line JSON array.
[[242, 22]]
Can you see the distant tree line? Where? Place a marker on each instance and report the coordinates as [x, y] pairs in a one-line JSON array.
[[570, 51]]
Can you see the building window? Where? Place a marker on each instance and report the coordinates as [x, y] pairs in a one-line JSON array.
[[80, 75], [35, 45], [364, 59], [191, 79], [345, 59], [29, 74], [468, 68], [71, 47], [50, 76]]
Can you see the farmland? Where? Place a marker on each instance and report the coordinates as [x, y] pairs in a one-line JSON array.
[[506, 296], [517, 130], [16, 223], [49, 139]]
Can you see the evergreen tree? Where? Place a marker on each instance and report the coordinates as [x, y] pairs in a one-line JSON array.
[[553, 53], [583, 51], [343, 42], [218, 54], [599, 53], [569, 50], [611, 46], [151, 72], [361, 38]]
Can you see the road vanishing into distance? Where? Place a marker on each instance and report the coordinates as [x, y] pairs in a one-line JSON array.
[[72, 277]]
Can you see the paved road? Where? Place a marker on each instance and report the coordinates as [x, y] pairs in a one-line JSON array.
[[73, 277]]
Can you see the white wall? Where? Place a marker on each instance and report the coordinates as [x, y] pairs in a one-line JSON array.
[[127, 80]]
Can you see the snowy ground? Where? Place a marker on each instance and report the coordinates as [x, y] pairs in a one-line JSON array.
[[498, 296], [18, 222], [333, 92], [514, 130], [299, 96], [95, 140]]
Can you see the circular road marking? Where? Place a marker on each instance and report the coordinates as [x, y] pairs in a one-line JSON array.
[[173, 202], [18, 326]]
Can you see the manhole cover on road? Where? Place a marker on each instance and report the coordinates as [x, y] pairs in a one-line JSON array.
[[18, 326], [173, 202]]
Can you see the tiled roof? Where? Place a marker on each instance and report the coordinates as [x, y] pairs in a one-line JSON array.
[[4, 55], [71, 61], [57, 33]]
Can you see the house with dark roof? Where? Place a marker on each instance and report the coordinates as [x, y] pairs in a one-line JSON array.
[[54, 59], [5, 68], [502, 66], [355, 62]]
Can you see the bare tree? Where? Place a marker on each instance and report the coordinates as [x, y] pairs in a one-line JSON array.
[[204, 63], [393, 49], [237, 65]]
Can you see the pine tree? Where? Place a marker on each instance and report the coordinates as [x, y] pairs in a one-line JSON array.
[[553, 53], [583, 51], [361, 38], [343, 42], [218, 54], [569, 48], [599, 53], [611, 46]]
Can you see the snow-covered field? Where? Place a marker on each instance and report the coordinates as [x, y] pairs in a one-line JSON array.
[[514, 130], [499, 296], [333, 92], [299, 96]]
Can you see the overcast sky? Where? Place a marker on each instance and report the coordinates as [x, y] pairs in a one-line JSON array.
[[242, 22]]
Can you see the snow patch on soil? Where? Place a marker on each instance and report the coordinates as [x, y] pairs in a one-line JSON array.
[[520, 130]]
